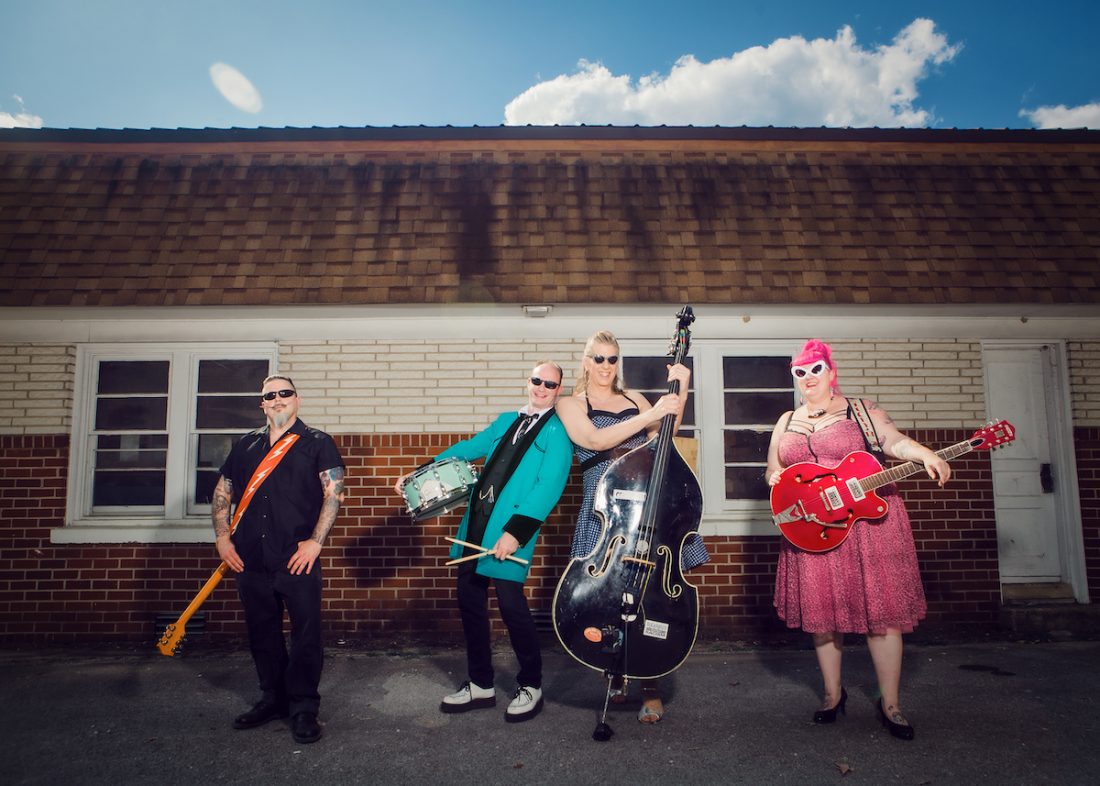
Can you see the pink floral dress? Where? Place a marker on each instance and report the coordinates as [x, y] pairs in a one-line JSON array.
[[868, 583]]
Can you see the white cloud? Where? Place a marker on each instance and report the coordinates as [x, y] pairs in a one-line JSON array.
[[236, 88], [22, 119], [1061, 116], [790, 82]]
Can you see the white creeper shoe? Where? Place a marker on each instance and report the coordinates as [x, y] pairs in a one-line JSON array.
[[526, 703], [469, 697]]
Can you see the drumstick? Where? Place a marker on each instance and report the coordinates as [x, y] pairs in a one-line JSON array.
[[479, 556], [466, 558], [483, 550], [465, 543]]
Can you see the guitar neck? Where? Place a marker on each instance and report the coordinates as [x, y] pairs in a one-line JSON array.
[[900, 471]]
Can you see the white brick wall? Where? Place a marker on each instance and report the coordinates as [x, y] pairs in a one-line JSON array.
[[459, 385], [926, 384], [1084, 382], [415, 386], [36, 388], [426, 386]]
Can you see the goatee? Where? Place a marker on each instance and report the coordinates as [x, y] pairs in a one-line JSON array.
[[280, 419]]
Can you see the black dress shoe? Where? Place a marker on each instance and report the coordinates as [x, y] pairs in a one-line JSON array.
[[305, 728], [261, 713], [829, 715], [903, 731]]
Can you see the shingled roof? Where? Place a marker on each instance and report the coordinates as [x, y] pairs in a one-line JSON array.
[[548, 215]]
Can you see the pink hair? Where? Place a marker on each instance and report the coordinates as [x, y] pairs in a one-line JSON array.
[[813, 351]]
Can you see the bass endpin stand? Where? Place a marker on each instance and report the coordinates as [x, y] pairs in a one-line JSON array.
[[603, 732]]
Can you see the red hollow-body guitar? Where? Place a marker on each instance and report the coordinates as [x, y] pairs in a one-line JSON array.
[[815, 507]]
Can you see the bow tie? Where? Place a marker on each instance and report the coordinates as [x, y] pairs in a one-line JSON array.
[[526, 421]]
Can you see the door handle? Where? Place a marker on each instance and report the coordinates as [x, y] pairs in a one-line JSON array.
[[1046, 478]]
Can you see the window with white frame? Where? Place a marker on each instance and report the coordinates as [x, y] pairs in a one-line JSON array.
[[756, 390], [738, 392], [153, 423]]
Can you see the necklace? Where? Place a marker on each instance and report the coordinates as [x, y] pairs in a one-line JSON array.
[[819, 412]]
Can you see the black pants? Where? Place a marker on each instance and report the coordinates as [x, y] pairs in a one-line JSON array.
[[473, 605], [292, 678]]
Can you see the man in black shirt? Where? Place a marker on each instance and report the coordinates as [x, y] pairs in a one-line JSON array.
[[292, 502]]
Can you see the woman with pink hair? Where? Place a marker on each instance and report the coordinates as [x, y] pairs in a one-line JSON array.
[[870, 583]]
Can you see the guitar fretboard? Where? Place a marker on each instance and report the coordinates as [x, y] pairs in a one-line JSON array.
[[896, 473]]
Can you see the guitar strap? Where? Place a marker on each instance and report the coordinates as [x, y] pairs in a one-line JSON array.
[[262, 473], [173, 633], [863, 418]]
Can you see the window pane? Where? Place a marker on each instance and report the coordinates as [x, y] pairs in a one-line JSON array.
[[237, 412], [688, 422], [649, 376], [649, 373], [133, 376], [131, 414], [746, 483], [133, 442], [213, 448], [746, 445], [687, 425], [129, 455], [757, 372], [205, 481], [760, 408], [117, 488], [232, 376]]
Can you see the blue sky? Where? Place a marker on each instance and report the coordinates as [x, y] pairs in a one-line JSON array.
[[220, 63]]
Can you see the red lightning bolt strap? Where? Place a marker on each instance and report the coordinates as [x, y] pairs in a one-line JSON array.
[[267, 466]]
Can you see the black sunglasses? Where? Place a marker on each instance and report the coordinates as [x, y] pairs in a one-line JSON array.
[[549, 385], [599, 359], [271, 394]]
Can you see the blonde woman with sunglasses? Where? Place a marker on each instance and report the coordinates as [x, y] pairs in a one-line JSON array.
[[605, 421], [869, 584]]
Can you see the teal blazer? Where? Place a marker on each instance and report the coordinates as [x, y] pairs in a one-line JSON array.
[[528, 496]]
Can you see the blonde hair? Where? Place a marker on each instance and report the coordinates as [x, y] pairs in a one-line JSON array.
[[599, 337]]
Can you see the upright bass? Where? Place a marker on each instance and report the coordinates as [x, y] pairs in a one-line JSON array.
[[626, 609]]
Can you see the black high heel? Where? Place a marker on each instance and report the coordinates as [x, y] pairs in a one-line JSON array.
[[903, 731], [829, 715]]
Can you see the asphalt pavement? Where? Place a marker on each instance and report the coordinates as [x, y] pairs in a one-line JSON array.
[[1011, 712]]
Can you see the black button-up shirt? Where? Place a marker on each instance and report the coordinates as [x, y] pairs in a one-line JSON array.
[[287, 505]]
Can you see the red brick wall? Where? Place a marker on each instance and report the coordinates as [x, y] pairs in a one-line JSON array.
[[955, 530], [385, 578], [1087, 444]]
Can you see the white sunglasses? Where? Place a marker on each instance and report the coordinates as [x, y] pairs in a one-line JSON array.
[[812, 370]]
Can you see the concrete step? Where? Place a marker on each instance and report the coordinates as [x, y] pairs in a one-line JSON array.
[[1051, 619]]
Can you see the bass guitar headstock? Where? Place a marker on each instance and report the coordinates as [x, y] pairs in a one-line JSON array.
[[172, 639], [681, 340]]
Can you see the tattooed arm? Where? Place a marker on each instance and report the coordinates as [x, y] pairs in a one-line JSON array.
[[220, 508], [332, 486], [896, 444]]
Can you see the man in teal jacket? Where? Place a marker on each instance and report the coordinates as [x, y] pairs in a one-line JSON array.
[[526, 469]]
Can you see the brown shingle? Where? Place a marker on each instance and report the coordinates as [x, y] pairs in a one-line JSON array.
[[756, 216]]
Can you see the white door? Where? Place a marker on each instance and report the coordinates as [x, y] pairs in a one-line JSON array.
[[1018, 385]]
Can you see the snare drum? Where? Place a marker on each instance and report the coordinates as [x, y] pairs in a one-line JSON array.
[[439, 488]]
